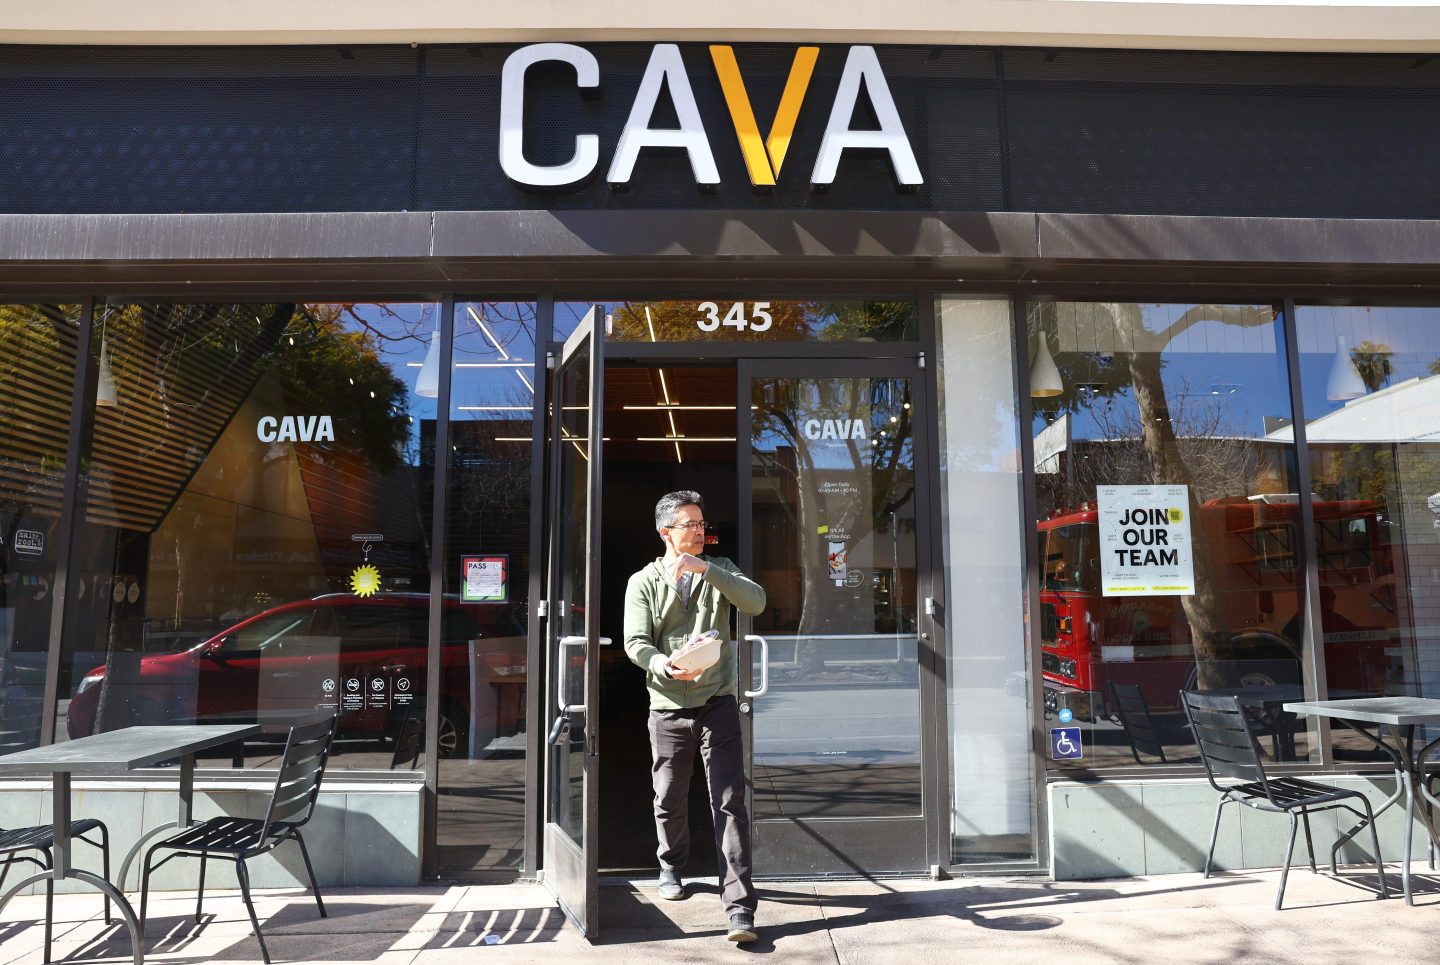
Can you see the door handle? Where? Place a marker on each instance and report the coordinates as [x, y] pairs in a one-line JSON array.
[[560, 731], [764, 665], [562, 676]]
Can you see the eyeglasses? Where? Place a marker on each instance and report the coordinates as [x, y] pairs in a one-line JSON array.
[[698, 525]]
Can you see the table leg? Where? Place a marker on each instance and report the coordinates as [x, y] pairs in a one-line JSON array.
[[60, 825], [61, 869], [1400, 771], [1423, 790], [187, 790], [1409, 834], [184, 816]]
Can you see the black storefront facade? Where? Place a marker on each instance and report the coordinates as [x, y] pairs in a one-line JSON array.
[[243, 478]]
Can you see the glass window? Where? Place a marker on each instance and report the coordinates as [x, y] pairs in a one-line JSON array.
[[732, 320], [992, 816], [254, 543], [37, 377], [832, 466], [1168, 508], [488, 520], [1371, 381]]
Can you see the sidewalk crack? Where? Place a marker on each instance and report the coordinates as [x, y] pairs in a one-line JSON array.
[[829, 936]]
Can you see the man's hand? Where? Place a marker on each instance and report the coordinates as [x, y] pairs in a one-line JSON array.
[[677, 673], [686, 563]]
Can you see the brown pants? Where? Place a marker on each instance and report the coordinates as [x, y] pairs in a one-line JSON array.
[[713, 730]]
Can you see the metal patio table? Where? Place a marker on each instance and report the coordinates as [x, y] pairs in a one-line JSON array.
[[115, 752], [1400, 715]]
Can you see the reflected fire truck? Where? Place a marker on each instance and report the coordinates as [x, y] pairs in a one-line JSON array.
[[1091, 642]]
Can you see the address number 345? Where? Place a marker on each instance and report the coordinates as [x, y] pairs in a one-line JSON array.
[[757, 319]]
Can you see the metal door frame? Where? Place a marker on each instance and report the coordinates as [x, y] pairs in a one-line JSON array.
[[569, 872]]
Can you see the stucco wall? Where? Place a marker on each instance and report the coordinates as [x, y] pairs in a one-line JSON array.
[[1082, 23]]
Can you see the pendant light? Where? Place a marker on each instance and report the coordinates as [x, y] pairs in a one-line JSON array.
[[428, 384], [1045, 381], [105, 394], [1344, 382]]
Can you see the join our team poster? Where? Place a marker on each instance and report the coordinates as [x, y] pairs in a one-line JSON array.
[[1145, 544]]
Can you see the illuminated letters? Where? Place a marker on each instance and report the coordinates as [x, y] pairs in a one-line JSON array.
[[667, 68], [665, 71], [862, 66], [512, 117], [764, 158]]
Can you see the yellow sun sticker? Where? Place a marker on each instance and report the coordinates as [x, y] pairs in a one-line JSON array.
[[365, 581]]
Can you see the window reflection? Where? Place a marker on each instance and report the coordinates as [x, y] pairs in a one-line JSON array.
[[1180, 402], [37, 377], [833, 474], [748, 320], [1371, 379], [254, 538], [488, 520]]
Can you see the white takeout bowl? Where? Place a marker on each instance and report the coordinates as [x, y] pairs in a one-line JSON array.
[[702, 657]]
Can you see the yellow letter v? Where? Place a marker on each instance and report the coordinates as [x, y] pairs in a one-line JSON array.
[[763, 160]]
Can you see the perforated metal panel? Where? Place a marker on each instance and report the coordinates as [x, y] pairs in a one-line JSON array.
[[1167, 132], [285, 129]]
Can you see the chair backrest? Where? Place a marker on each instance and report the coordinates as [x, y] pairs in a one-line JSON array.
[[1134, 714], [301, 769], [409, 741], [1226, 742]]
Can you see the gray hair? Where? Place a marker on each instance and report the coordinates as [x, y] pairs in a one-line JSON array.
[[667, 506]]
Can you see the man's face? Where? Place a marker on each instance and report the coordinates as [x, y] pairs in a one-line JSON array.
[[683, 534]]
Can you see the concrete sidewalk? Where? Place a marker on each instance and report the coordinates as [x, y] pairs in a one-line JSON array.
[[1174, 918]]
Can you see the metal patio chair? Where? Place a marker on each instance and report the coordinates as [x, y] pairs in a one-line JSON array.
[[14, 842], [239, 839], [1226, 740], [1135, 720]]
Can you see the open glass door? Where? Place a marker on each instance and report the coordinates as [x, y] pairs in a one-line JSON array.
[[572, 794], [829, 477]]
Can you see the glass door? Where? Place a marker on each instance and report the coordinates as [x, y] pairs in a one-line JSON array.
[[830, 472], [569, 863]]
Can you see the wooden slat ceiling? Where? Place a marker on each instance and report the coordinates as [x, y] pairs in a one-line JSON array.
[[181, 372], [37, 369]]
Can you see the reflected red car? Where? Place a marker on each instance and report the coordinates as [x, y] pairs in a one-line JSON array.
[[362, 658]]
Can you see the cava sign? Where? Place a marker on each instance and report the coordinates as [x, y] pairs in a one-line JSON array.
[[295, 428], [817, 429], [668, 78]]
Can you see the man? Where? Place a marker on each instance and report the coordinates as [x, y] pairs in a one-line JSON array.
[[669, 602]]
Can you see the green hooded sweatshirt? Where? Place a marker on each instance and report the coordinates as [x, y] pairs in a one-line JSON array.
[[657, 624]]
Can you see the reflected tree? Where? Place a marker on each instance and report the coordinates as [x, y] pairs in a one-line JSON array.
[[1135, 364]]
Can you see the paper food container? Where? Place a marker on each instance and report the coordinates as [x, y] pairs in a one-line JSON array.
[[700, 653]]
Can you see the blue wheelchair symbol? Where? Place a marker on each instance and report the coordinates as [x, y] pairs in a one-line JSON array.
[[1066, 715], [1065, 744]]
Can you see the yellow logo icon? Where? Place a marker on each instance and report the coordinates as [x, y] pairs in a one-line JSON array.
[[763, 158], [1174, 515], [365, 581]]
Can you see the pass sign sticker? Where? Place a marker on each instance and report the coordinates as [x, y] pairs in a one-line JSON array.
[[485, 579], [1145, 544]]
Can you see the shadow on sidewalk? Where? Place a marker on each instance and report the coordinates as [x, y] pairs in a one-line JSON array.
[[353, 932], [628, 916]]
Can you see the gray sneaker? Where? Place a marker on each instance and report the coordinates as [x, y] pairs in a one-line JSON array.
[[670, 887], [742, 928]]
